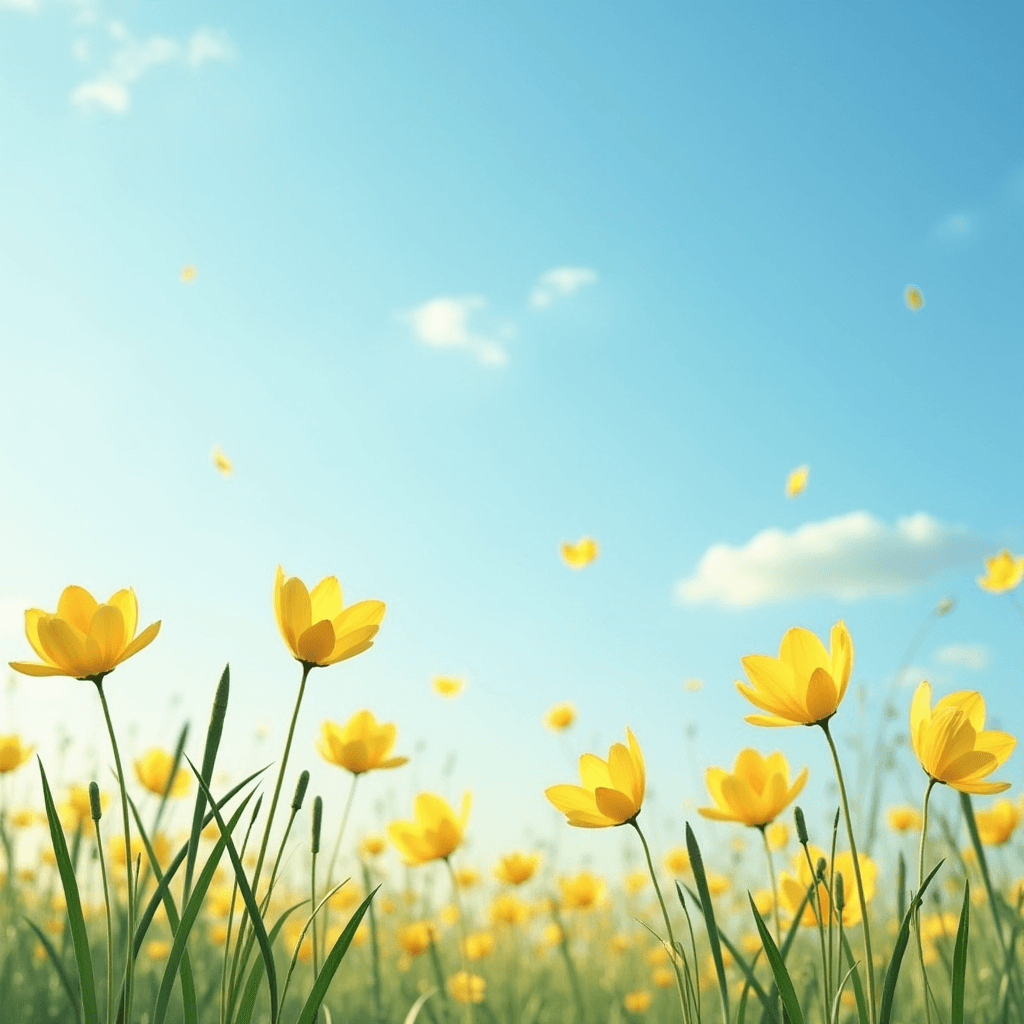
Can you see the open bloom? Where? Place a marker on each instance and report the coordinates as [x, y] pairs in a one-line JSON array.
[[582, 891], [998, 823], [83, 638], [1002, 572], [580, 554], [793, 889], [516, 868], [950, 743], [316, 627], [435, 834], [13, 753], [805, 684], [154, 769], [360, 745], [612, 790], [756, 792]]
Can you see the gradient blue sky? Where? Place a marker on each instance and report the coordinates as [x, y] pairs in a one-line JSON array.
[[751, 187]]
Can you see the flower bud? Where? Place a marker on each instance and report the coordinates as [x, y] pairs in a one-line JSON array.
[[801, 826], [300, 791], [822, 869], [94, 801], [318, 818], [840, 894]]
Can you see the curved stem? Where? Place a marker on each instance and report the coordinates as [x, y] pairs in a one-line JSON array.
[[129, 970], [869, 966], [917, 912], [668, 923]]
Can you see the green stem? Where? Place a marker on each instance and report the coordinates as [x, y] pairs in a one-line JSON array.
[[129, 971], [815, 901], [337, 848], [462, 936], [869, 966], [574, 979], [775, 888], [917, 912], [110, 925], [668, 923]]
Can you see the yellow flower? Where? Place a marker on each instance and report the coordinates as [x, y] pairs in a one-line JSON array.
[[25, 817], [619, 942], [75, 812], [435, 833], [913, 298], [154, 769], [82, 638], [360, 745], [580, 554], [448, 686], [220, 461], [560, 717], [13, 753], [663, 977], [635, 881], [516, 868], [372, 846], [717, 884], [467, 988], [612, 790], [793, 889], [509, 909], [638, 1002], [415, 938], [188, 274], [656, 956], [903, 819], [756, 792], [158, 949], [950, 744], [997, 824], [582, 891], [466, 878], [796, 482], [115, 850], [552, 934], [778, 835], [677, 861], [316, 627], [478, 945], [1002, 572], [805, 684]]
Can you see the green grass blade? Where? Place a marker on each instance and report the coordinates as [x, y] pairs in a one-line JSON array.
[[252, 984], [59, 967], [837, 1002], [414, 1010], [901, 887], [893, 972], [332, 963], [213, 735], [960, 958], [79, 935], [858, 987], [248, 898], [778, 966], [188, 918], [697, 867]]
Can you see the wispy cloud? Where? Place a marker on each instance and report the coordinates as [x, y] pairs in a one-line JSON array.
[[956, 226], [969, 656], [848, 557], [132, 58], [26, 6], [444, 322], [560, 283]]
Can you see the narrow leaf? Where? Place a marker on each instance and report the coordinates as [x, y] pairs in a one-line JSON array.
[[697, 867], [252, 984], [58, 966], [778, 966], [960, 957], [414, 1010], [858, 987]]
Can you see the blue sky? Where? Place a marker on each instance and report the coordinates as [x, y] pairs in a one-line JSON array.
[[736, 198]]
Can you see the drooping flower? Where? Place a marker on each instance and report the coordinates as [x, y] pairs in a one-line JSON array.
[[315, 625], [448, 686], [436, 832], [360, 745], [796, 482], [580, 554], [516, 868], [913, 297], [83, 638], [755, 793], [154, 769], [13, 753], [998, 823], [1002, 572], [560, 717], [805, 684], [612, 790], [952, 744], [904, 819]]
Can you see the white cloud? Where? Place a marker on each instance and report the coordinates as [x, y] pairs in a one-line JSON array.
[[969, 656], [444, 323], [847, 557], [132, 58], [956, 226], [560, 283], [26, 6]]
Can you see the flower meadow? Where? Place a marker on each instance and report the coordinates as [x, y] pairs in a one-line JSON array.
[[200, 911]]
